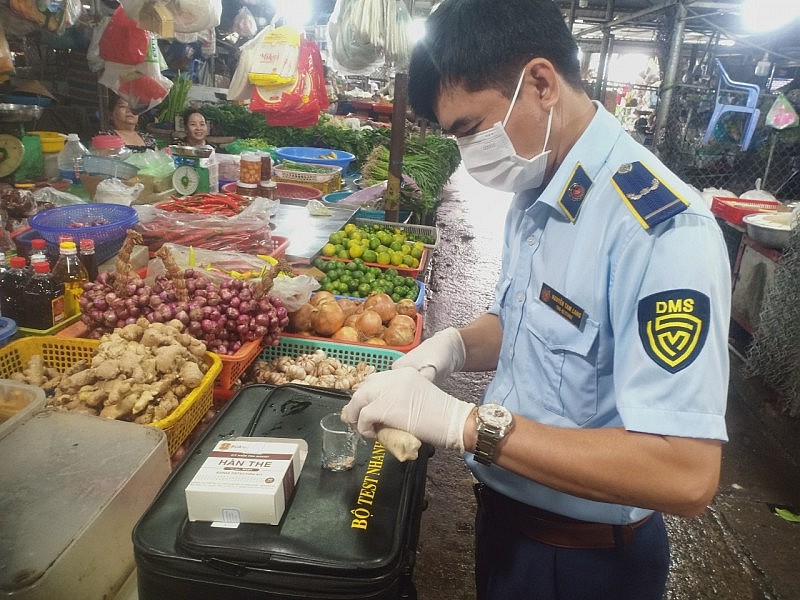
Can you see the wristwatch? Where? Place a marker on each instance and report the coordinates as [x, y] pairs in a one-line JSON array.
[[494, 423]]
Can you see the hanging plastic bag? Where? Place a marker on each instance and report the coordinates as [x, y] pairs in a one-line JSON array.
[[240, 87], [275, 63], [193, 16], [123, 41], [301, 104], [244, 23], [93, 58], [781, 114], [142, 85]]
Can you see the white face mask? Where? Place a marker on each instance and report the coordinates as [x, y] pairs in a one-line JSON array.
[[490, 156]]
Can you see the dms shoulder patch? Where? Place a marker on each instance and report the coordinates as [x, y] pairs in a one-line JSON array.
[[648, 197], [673, 327]]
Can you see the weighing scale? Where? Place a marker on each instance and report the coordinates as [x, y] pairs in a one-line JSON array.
[[12, 117], [190, 176]]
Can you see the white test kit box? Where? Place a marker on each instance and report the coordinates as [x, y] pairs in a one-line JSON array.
[[246, 480]]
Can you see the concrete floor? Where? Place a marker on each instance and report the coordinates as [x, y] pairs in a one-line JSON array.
[[739, 549]]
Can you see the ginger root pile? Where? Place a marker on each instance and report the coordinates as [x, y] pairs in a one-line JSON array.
[[138, 373], [310, 369]]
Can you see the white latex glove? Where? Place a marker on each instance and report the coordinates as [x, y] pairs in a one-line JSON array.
[[437, 357], [405, 399]]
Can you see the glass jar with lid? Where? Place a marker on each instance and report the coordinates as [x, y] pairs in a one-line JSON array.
[[110, 146]]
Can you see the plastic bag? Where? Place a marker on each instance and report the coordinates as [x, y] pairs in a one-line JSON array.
[[153, 163], [93, 58], [274, 64], [240, 87], [294, 291], [50, 195], [114, 191], [217, 264], [781, 114], [193, 16], [298, 105], [142, 85], [247, 232], [244, 23], [123, 41]]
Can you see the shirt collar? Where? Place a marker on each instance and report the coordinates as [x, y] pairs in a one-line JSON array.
[[591, 155]]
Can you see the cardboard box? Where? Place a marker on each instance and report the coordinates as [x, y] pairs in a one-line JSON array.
[[246, 480]]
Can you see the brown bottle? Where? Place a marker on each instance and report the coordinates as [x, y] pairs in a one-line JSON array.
[[43, 300]]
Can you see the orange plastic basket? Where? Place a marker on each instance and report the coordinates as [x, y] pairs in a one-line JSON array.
[[234, 365], [61, 353]]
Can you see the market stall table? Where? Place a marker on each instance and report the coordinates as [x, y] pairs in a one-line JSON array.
[[307, 233]]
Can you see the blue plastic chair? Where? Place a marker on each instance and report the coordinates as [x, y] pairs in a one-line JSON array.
[[728, 91]]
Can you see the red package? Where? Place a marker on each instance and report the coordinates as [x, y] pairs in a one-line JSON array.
[[123, 41]]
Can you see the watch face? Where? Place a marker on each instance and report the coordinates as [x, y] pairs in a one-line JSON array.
[[495, 415]]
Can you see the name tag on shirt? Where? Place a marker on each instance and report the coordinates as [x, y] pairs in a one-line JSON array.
[[562, 305]]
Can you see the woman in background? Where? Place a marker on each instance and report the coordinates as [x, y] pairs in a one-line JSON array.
[[124, 124], [196, 127]]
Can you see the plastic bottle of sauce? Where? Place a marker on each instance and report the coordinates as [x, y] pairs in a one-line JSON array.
[[42, 300], [39, 252], [89, 258], [70, 272], [12, 285]]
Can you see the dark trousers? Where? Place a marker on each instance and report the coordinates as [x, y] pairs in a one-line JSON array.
[[511, 566]]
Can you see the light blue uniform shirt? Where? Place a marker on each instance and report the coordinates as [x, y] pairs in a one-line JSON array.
[[599, 371]]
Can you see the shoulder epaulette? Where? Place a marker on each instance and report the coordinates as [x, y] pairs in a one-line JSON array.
[[650, 198]]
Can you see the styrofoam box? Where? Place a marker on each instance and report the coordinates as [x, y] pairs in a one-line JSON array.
[[246, 480], [18, 401], [75, 488]]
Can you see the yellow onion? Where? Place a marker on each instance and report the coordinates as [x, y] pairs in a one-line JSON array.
[[300, 320], [345, 333], [369, 324], [375, 341], [407, 307], [404, 321], [350, 321], [398, 335], [327, 319], [348, 305], [322, 297], [383, 305]]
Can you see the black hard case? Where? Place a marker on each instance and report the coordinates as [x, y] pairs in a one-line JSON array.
[[346, 535]]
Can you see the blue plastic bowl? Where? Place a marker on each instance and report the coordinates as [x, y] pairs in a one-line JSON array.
[[312, 155], [336, 196]]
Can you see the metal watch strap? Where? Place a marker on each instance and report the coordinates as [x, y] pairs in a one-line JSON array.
[[488, 437]]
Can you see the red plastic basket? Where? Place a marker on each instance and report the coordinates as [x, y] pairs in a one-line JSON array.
[[403, 270], [403, 349], [734, 210], [234, 365]]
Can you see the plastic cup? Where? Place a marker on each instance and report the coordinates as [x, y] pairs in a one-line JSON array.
[[339, 442]]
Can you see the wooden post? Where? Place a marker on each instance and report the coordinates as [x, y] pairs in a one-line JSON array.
[[396, 147]]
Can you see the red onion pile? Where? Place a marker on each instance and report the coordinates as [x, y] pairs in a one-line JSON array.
[[224, 315]]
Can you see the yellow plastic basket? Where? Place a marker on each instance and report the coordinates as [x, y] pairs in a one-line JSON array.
[[61, 353]]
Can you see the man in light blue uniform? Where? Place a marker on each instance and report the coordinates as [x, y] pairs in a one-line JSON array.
[[608, 332]]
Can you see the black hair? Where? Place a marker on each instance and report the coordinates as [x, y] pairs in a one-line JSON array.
[[190, 111], [112, 102], [482, 44]]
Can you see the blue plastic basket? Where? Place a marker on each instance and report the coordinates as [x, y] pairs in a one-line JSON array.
[[8, 327], [313, 156], [61, 220]]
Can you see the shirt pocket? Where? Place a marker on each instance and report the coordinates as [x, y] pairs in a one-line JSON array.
[[568, 358]]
